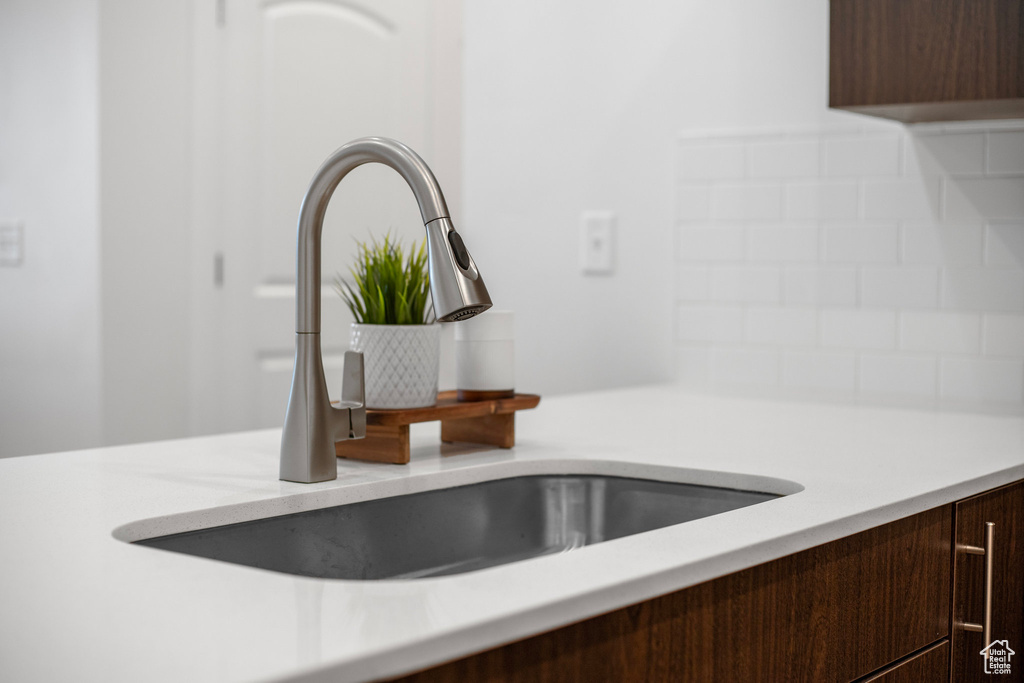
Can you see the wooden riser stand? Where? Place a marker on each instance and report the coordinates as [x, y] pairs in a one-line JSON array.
[[487, 422]]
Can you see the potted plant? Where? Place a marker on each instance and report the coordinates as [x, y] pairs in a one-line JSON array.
[[394, 326]]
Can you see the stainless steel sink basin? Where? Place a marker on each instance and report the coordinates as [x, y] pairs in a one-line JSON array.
[[461, 529]]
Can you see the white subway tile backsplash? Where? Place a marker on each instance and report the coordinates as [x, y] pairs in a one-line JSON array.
[[861, 243], [709, 324], [746, 202], [693, 283], [1006, 152], [783, 159], [928, 242], [900, 287], [693, 365], [872, 259], [858, 329], [826, 200], [899, 375], [782, 244], [940, 332], [862, 156], [746, 366], [983, 289], [820, 371], [1004, 335], [715, 161], [693, 202], [792, 326], [984, 199], [815, 286], [945, 154], [717, 243], [914, 198], [746, 284], [1004, 244], [982, 380]]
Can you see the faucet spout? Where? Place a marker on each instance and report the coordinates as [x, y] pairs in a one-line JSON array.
[[457, 291]]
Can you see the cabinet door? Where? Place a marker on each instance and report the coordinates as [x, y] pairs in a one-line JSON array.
[[1004, 508], [928, 60]]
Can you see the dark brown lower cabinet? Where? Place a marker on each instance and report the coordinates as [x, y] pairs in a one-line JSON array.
[[1003, 508], [874, 606]]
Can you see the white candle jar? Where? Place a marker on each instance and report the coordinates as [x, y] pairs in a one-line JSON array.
[[485, 356]]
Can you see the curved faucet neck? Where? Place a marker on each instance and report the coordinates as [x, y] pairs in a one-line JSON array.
[[311, 424], [314, 206]]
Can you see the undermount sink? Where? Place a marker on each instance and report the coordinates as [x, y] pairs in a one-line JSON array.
[[459, 529]]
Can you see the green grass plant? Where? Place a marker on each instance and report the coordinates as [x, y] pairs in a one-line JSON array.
[[389, 287]]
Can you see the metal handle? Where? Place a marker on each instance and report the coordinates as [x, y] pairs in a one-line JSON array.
[[353, 394], [989, 552]]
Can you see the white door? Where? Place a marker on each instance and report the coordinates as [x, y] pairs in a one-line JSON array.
[[280, 84]]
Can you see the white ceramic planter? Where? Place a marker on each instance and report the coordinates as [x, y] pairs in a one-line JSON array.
[[400, 363]]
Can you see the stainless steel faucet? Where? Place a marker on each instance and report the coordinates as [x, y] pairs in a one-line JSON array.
[[312, 424]]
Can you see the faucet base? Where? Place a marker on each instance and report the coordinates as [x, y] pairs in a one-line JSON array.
[[312, 425]]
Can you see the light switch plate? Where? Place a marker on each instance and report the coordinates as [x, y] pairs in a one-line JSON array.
[[12, 243], [597, 243]]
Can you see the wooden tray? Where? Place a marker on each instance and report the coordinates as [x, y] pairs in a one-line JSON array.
[[490, 422]]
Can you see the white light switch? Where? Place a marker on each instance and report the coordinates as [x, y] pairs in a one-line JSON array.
[[12, 243], [597, 243]]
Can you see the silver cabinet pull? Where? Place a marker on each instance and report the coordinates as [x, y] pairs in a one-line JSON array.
[[988, 551]]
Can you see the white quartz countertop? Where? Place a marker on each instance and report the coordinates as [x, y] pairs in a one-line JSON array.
[[78, 603]]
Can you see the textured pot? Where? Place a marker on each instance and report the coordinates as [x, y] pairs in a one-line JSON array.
[[400, 362]]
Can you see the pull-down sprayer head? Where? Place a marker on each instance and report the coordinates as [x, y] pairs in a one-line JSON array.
[[456, 288]]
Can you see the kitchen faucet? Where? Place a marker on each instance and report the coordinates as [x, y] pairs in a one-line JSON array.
[[312, 424]]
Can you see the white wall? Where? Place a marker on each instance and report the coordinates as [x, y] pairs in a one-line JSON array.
[[573, 106], [580, 105], [557, 123], [94, 159], [145, 100], [49, 153]]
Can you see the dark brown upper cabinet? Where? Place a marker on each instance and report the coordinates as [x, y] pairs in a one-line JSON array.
[[928, 60]]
